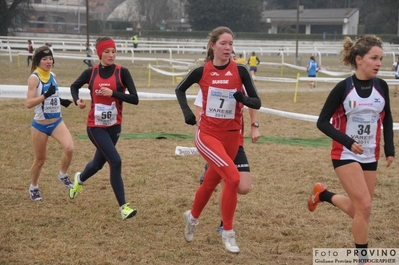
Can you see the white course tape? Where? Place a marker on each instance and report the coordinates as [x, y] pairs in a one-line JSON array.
[[336, 80], [12, 91], [182, 151], [166, 72], [291, 115]]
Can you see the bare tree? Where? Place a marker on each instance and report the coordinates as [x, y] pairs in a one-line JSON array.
[[9, 12], [153, 12]]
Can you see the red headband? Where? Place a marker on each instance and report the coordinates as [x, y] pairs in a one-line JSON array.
[[102, 46]]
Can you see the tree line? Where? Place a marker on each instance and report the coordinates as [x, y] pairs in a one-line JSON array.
[[240, 15]]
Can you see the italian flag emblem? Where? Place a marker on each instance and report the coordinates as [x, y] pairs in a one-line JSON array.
[[352, 104]]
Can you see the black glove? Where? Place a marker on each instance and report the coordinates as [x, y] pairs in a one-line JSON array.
[[65, 102], [50, 91], [190, 119], [239, 96]]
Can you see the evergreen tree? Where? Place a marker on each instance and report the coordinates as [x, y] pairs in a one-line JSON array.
[[238, 15]]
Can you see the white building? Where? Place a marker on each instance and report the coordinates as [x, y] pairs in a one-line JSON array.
[[342, 21]]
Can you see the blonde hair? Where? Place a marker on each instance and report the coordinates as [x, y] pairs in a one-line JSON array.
[[213, 38], [360, 48]]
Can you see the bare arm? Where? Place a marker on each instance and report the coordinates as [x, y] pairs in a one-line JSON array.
[[31, 99], [255, 134]]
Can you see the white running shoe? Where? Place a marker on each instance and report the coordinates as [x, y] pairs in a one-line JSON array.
[[35, 195], [190, 226], [65, 179], [229, 241]]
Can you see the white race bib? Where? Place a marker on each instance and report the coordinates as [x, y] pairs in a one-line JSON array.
[[105, 115], [362, 129], [221, 103], [51, 105]]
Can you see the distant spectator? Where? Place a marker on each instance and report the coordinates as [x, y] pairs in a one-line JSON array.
[[88, 54], [233, 55], [253, 62], [312, 68], [135, 41], [241, 59], [395, 67], [30, 50]]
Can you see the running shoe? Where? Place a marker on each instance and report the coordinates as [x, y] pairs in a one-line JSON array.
[[76, 187], [127, 212], [314, 199], [190, 226], [203, 175], [229, 241], [35, 195], [68, 184], [220, 228], [202, 179]]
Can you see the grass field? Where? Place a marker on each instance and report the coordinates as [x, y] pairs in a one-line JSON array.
[[272, 223]]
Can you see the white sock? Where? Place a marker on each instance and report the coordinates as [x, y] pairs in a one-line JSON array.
[[120, 208], [228, 231], [78, 179], [34, 187], [192, 219], [62, 175]]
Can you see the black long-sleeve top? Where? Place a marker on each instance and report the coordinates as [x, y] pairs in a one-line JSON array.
[[335, 99], [107, 72], [252, 99]]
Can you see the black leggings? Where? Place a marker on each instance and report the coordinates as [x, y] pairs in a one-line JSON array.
[[105, 139]]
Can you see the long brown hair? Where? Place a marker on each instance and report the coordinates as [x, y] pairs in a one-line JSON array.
[[213, 38]]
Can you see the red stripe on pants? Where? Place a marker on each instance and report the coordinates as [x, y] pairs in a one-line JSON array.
[[219, 150]]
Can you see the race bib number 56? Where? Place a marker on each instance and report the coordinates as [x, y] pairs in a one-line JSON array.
[[105, 115]]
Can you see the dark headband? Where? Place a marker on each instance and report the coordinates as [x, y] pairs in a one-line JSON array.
[[38, 56]]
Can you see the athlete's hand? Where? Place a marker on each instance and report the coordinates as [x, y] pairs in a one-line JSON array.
[[255, 134], [106, 92], [190, 119], [81, 104], [239, 96], [389, 160], [357, 148], [50, 91]]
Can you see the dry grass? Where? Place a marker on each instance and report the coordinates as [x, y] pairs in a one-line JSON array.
[[272, 223]]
